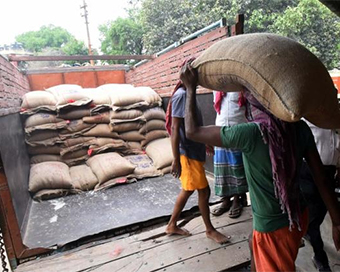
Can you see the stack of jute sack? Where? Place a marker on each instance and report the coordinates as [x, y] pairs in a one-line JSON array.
[[283, 75], [82, 139]]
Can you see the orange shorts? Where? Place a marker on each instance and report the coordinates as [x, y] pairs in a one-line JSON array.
[[193, 174], [277, 250]]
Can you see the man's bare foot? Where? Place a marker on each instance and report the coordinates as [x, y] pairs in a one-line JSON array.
[[176, 230], [217, 237]]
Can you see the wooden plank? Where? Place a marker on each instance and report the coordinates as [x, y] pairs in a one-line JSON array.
[[180, 251], [78, 57], [80, 259], [222, 259]]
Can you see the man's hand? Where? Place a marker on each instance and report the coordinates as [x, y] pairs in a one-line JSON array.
[[176, 168], [209, 150], [189, 76], [336, 237]]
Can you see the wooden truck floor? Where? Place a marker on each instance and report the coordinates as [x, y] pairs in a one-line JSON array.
[[67, 219], [153, 250]]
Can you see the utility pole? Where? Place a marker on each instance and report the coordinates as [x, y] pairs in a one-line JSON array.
[[87, 28]]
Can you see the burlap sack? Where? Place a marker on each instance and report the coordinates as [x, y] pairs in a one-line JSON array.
[[44, 158], [166, 170], [98, 96], [136, 147], [76, 141], [74, 154], [82, 177], [101, 118], [36, 99], [113, 182], [110, 165], [49, 126], [149, 96], [49, 175], [40, 150], [75, 157], [123, 95], [133, 136], [101, 130], [127, 126], [153, 125], [124, 116], [42, 138], [154, 113], [75, 128], [154, 135], [68, 93], [160, 152], [144, 167], [100, 145], [51, 194], [282, 74], [74, 113], [41, 119]]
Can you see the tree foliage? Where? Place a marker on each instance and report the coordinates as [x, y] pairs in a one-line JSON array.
[[121, 37], [46, 36], [315, 26], [307, 21]]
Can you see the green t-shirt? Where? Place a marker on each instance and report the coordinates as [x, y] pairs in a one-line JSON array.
[[267, 213]]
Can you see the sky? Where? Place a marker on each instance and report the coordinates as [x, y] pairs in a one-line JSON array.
[[20, 16]]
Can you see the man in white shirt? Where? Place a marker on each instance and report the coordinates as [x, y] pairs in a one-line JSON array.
[[328, 145]]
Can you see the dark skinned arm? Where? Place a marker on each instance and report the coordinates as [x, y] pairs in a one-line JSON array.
[[315, 164], [209, 135], [175, 138]]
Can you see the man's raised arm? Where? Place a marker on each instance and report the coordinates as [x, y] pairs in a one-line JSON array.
[[203, 134]]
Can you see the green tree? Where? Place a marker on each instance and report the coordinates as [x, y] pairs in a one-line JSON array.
[[313, 25], [121, 37], [166, 21], [46, 36]]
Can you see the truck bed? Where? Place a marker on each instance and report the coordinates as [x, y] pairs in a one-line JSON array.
[[64, 220]]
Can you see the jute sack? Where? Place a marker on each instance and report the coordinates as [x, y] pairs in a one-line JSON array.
[[98, 96], [144, 167], [154, 113], [153, 125], [160, 152], [135, 147], [83, 178], [36, 99], [49, 175], [50, 126], [74, 113], [101, 118], [132, 135], [100, 145], [67, 93], [40, 150], [42, 138], [113, 182], [101, 130], [153, 135], [127, 126], [149, 96], [47, 194], [41, 119], [76, 157], [283, 75], [110, 165], [76, 141], [75, 128], [44, 158]]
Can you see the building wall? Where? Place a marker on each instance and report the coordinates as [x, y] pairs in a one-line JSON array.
[[161, 73], [13, 85]]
